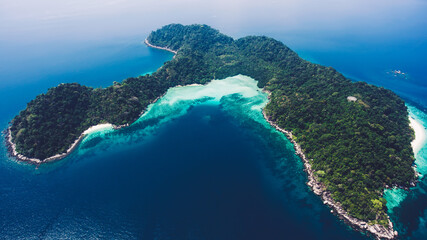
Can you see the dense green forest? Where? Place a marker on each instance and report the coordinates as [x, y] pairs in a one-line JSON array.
[[356, 147]]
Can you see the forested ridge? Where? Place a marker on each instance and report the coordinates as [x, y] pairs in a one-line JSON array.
[[357, 147]]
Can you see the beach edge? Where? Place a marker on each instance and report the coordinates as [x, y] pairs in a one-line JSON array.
[[11, 146], [379, 231]]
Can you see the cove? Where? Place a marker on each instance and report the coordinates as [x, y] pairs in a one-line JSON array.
[[201, 163]]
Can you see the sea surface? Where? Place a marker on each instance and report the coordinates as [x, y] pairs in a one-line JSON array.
[[201, 163]]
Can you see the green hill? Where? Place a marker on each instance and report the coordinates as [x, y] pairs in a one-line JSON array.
[[357, 147]]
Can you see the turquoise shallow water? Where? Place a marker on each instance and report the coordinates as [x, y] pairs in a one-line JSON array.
[[201, 164], [27, 72], [372, 60], [408, 208]]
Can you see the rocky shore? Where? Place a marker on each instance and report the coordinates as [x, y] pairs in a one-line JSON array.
[[162, 48], [11, 147], [379, 231]]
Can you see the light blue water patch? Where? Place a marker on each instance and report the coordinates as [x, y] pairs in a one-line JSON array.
[[199, 155], [395, 196], [242, 101], [175, 103], [421, 154], [146, 73]]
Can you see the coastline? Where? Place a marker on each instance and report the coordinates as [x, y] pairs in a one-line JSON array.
[[379, 231], [420, 135], [395, 195], [98, 127], [318, 188], [11, 147], [161, 48]]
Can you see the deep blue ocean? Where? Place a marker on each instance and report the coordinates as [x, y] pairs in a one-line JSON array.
[[200, 169]]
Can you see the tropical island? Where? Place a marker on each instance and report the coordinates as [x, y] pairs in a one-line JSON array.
[[354, 138]]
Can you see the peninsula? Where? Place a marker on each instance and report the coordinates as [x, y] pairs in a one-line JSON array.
[[354, 138]]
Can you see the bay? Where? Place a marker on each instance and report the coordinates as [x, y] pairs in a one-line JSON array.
[[202, 163], [150, 181]]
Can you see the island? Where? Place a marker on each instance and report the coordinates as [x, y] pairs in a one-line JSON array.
[[354, 138]]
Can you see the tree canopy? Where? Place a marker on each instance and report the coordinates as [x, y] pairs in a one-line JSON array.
[[356, 147]]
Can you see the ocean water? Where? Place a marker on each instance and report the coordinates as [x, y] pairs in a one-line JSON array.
[[200, 164], [29, 70], [372, 60], [408, 209]]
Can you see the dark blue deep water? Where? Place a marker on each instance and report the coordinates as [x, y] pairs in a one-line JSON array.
[[192, 179], [208, 174]]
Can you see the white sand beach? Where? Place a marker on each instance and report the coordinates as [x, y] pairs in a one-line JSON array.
[[420, 135], [98, 127]]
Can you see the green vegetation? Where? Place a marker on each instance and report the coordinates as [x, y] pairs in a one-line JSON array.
[[355, 147]]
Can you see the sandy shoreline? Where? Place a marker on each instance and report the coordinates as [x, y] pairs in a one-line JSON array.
[[11, 147], [420, 135], [98, 128], [318, 188], [379, 231]]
